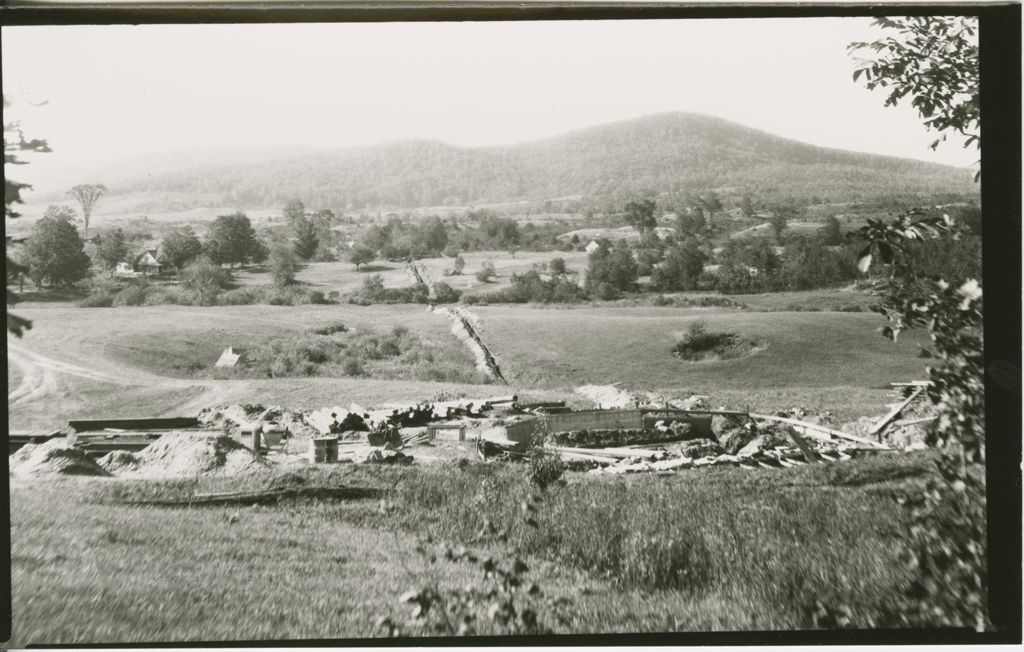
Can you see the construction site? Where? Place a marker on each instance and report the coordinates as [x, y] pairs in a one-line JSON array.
[[622, 434]]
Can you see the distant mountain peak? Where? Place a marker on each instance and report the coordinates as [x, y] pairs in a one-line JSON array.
[[654, 153]]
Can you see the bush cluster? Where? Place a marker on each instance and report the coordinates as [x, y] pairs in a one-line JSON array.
[[373, 291], [335, 351], [699, 344], [531, 287]]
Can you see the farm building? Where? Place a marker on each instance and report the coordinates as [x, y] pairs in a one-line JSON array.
[[145, 263], [591, 247]]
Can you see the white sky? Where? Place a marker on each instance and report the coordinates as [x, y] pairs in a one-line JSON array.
[[118, 91]]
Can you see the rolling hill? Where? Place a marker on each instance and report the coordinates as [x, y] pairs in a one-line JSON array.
[[651, 154]]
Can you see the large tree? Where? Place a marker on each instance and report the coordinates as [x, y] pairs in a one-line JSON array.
[[681, 268], [306, 237], [112, 248], [232, 240], [640, 215], [180, 246], [15, 144], [55, 253], [284, 264], [294, 210], [360, 255], [206, 279], [87, 195]]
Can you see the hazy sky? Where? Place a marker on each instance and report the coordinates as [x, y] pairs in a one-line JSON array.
[[116, 91]]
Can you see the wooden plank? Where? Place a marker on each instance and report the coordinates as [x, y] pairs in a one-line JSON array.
[[912, 383], [618, 453], [808, 452], [578, 457], [881, 425], [813, 426], [912, 422], [724, 413]]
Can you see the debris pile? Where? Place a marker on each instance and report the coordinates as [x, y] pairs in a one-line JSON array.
[[54, 457], [184, 455], [607, 396]]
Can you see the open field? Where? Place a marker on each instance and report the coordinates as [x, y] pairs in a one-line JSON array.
[[343, 278], [824, 360], [88, 570], [145, 360]]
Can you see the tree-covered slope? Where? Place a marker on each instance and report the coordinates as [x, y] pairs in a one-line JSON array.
[[652, 154]]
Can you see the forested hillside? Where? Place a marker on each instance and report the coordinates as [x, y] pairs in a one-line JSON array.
[[608, 163]]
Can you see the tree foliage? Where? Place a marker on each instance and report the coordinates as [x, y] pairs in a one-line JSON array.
[[681, 268], [307, 240], [360, 255], [15, 144], [933, 60], [205, 279], [112, 248], [180, 247], [232, 240], [87, 195], [611, 266], [640, 215], [284, 264], [55, 253]]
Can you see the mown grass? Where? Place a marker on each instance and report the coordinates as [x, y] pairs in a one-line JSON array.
[[806, 354], [697, 550]]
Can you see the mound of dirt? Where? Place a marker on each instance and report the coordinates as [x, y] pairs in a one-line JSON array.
[[607, 396], [119, 462], [231, 418], [54, 457], [189, 454]]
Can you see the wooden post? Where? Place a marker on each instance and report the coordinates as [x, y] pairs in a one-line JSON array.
[[256, 441]]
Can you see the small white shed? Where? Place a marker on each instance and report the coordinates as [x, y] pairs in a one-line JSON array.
[[230, 357]]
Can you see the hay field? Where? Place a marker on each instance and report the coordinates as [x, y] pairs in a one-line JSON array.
[[825, 360], [158, 360]]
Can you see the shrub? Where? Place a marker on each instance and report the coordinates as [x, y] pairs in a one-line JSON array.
[[486, 272], [331, 329], [243, 296], [353, 367], [443, 293], [699, 344], [157, 296], [97, 300], [606, 291], [133, 295]]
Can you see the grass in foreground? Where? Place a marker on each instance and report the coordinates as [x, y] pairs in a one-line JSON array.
[[699, 550]]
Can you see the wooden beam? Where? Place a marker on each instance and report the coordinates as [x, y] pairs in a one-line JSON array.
[[881, 425], [813, 426], [808, 452], [620, 453]]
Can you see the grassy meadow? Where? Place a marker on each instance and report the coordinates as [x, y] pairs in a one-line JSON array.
[[711, 549]]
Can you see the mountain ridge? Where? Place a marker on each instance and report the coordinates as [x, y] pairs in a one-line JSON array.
[[656, 153]]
